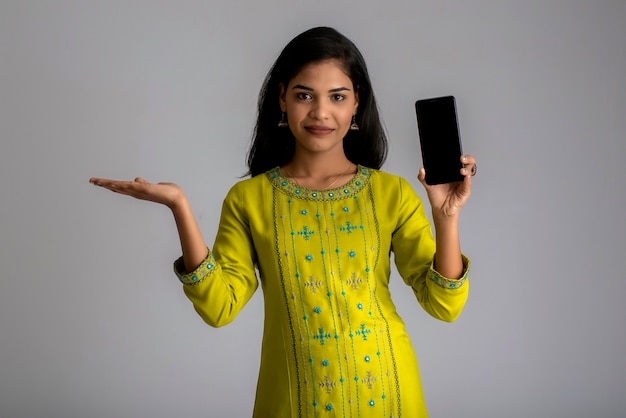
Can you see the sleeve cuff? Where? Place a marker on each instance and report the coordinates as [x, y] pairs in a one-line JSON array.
[[450, 283], [203, 271]]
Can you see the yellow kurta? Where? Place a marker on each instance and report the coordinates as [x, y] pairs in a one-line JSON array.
[[333, 343]]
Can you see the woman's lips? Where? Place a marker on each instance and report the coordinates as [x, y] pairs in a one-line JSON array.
[[318, 130]]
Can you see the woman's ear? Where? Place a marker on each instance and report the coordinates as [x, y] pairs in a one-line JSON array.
[[281, 97], [356, 99]]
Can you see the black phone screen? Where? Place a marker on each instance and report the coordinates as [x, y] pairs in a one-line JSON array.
[[439, 139]]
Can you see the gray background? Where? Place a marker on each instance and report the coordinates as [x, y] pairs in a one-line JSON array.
[[94, 324]]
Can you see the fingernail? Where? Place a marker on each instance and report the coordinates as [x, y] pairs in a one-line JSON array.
[[464, 171], [464, 158]]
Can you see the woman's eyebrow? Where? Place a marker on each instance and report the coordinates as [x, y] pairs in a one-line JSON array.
[[336, 90]]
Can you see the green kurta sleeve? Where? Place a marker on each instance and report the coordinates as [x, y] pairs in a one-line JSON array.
[[226, 280], [414, 250]]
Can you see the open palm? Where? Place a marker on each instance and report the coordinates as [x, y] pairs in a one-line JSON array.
[[165, 193]]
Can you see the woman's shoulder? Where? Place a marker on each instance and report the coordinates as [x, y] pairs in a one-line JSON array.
[[380, 177], [249, 187]]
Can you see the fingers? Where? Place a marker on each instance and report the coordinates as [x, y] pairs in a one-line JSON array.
[[108, 183], [467, 185], [421, 176], [132, 188], [468, 159], [469, 165]]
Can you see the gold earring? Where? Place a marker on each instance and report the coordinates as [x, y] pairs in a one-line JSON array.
[[354, 126], [283, 122]]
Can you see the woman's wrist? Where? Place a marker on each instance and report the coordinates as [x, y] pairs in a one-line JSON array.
[[179, 204], [443, 221]]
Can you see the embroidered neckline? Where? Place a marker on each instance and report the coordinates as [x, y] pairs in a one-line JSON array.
[[358, 182]]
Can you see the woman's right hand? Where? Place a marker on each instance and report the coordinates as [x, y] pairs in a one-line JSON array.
[[168, 194]]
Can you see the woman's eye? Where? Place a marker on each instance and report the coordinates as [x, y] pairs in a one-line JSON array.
[[303, 96], [338, 97]]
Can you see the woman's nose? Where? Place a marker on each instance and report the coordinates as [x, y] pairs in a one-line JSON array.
[[319, 110]]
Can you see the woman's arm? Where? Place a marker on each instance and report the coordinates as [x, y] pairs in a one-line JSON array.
[[171, 195], [446, 201], [448, 261], [427, 264]]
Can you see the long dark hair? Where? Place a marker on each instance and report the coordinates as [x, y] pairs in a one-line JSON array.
[[273, 146]]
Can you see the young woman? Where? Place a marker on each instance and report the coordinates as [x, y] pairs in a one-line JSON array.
[[318, 221]]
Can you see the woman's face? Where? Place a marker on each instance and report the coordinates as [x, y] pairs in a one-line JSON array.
[[319, 102]]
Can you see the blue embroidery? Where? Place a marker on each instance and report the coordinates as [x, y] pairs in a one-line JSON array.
[[363, 332], [292, 189], [306, 233], [322, 336], [348, 228]]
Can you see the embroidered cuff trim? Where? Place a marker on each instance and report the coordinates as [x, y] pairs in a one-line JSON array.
[[204, 270], [450, 283]]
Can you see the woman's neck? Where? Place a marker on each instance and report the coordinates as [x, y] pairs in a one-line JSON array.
[[319, 173]]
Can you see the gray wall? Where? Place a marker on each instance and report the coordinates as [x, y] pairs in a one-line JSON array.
[[94, 324]]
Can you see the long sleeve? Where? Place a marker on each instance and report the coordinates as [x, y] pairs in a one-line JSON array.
[[221, 286], [414, 249]]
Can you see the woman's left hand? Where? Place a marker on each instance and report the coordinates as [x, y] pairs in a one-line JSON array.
[[446, 200]]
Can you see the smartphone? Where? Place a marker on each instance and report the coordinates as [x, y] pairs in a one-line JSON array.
[[440, 141]]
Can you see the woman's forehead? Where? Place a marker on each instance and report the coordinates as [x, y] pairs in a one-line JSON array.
[[321, 73]]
